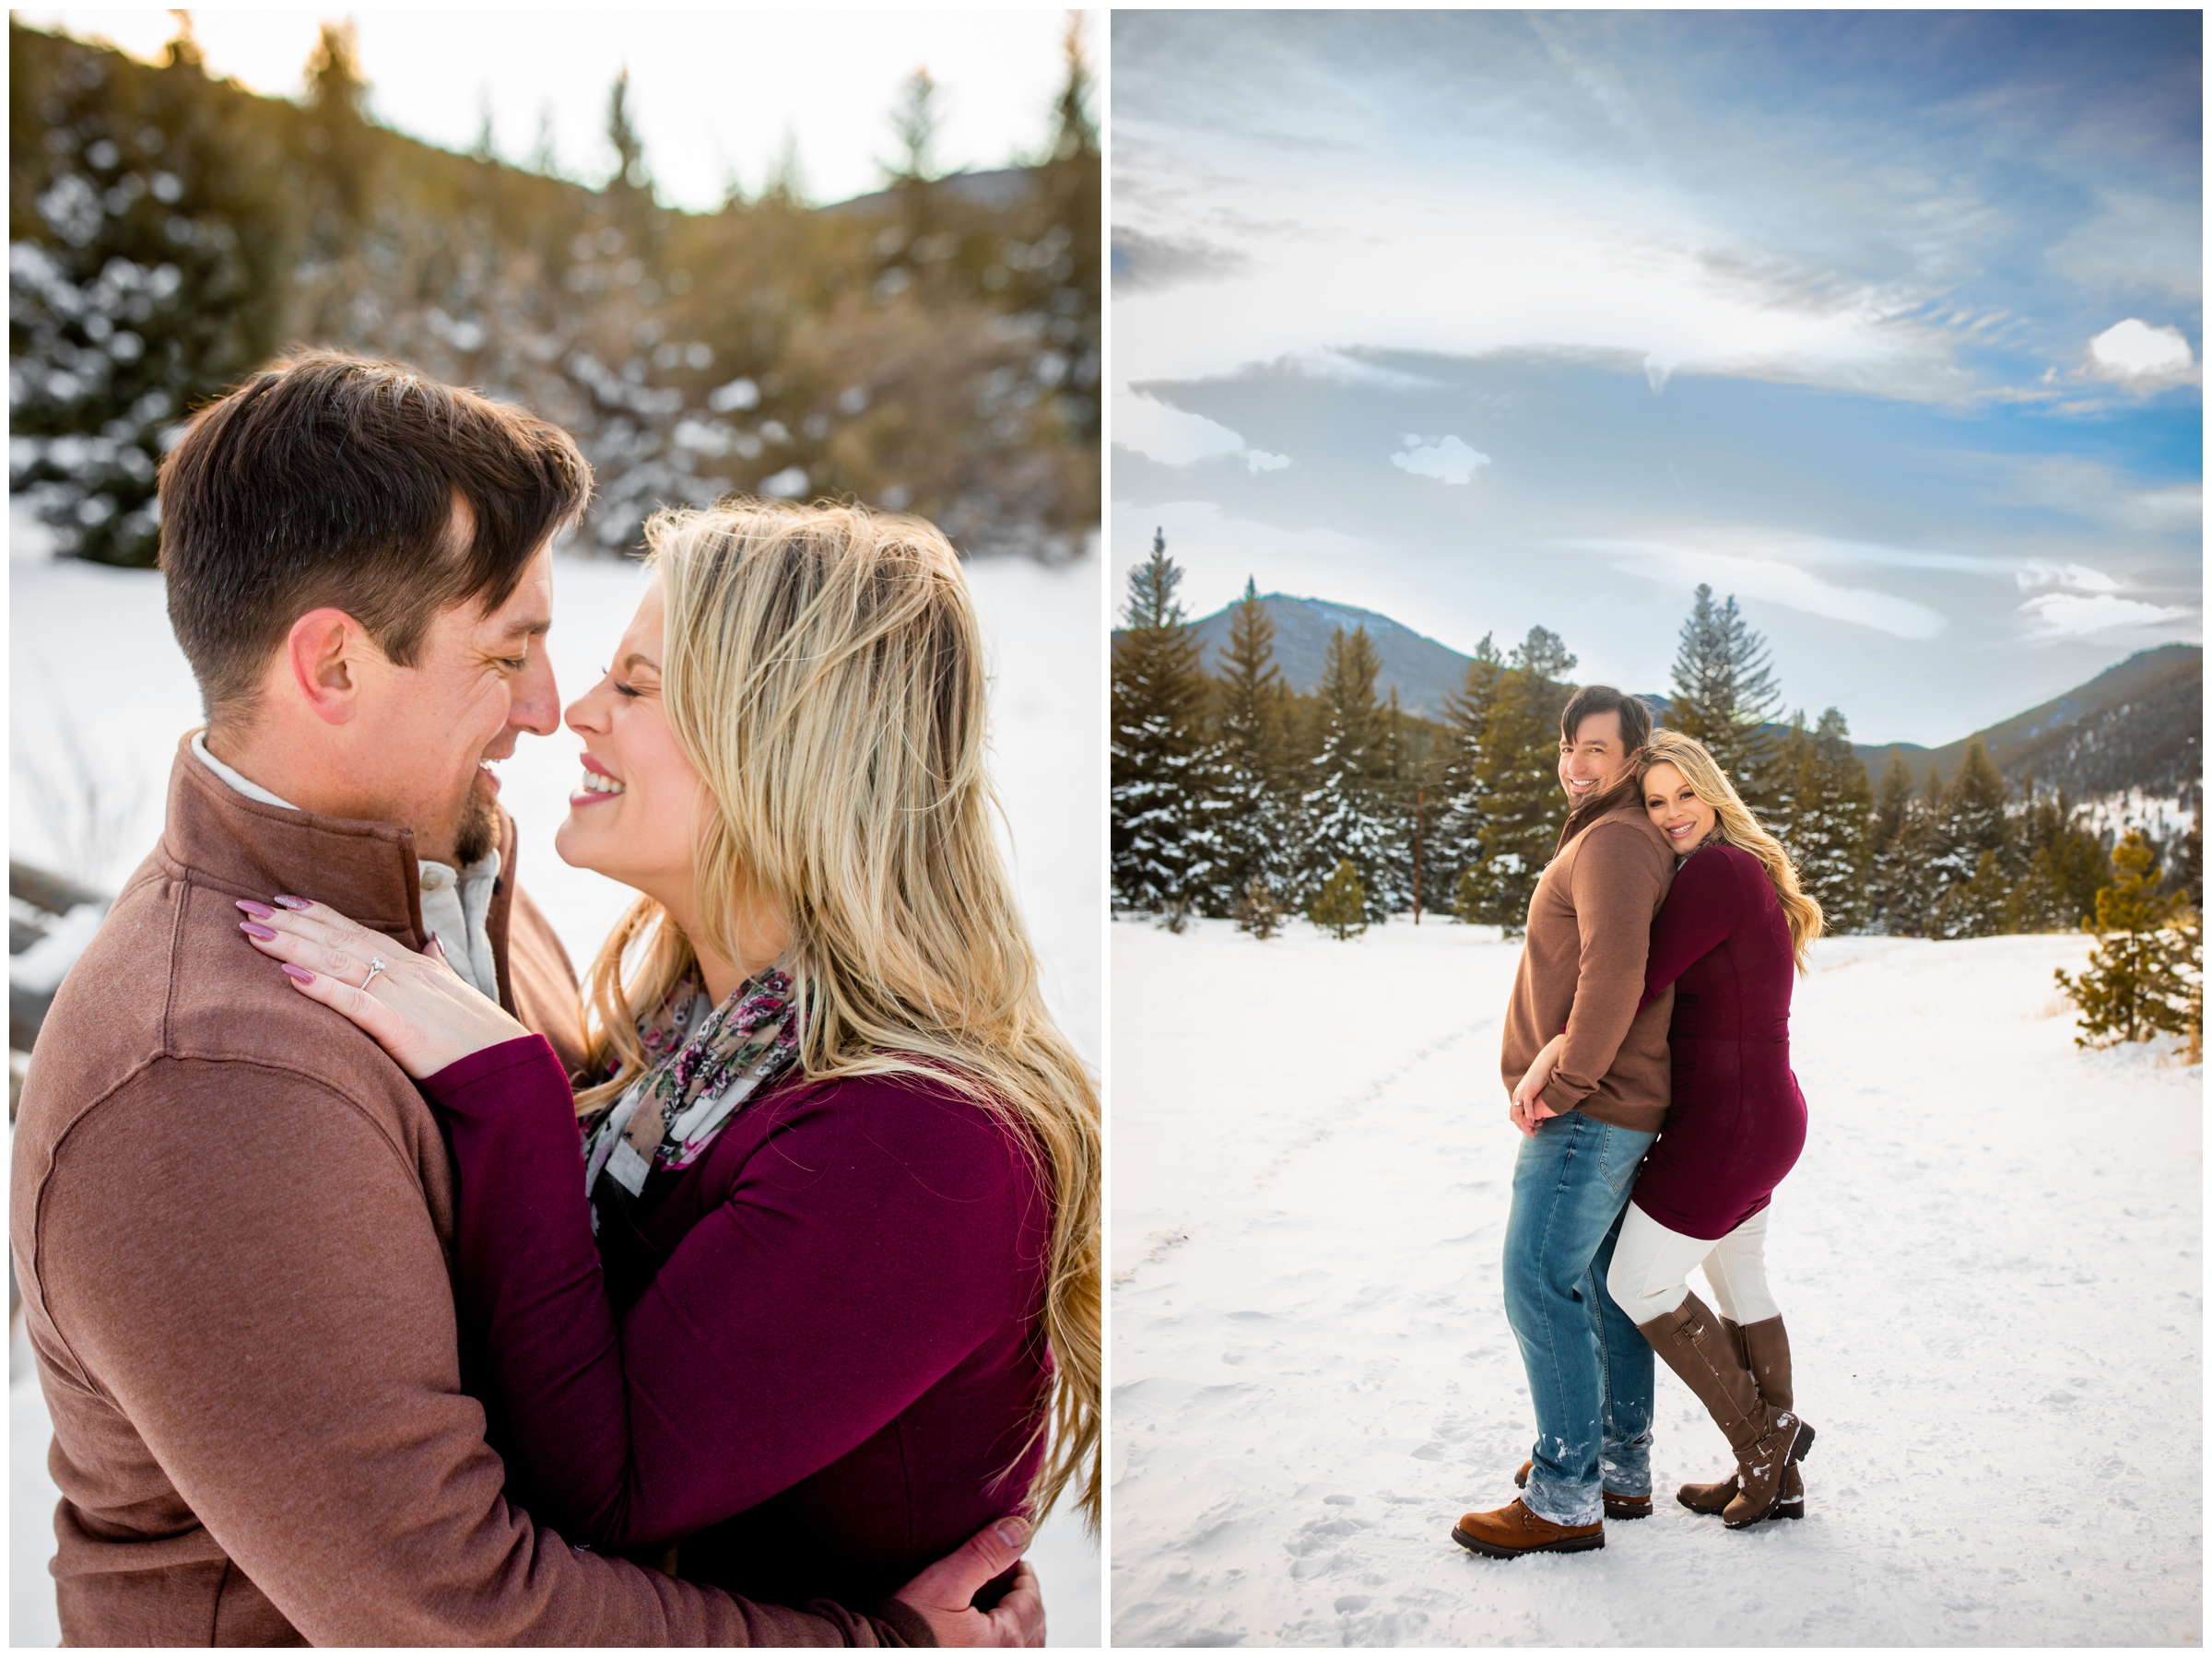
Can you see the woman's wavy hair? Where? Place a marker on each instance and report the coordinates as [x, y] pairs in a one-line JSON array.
[[824, 675], [1738, 828]]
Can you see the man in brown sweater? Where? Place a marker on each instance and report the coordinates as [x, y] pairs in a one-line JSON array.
[[232, 1216], [1581, 973]]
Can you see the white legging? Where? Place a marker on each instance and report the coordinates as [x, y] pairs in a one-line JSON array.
[[1650, 1276]]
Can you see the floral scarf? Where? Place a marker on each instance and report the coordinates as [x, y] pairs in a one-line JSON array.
[[706, 1060]]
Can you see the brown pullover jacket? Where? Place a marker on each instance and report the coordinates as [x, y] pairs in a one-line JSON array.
[[232, 1218], [1589, 930]]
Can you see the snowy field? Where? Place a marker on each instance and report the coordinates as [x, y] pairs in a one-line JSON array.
[[1988, 1255], [100, 695]]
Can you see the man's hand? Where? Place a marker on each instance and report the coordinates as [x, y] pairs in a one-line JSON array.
[[945, 1593]]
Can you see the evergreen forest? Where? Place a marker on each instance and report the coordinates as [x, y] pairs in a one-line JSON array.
[[1234, 796], [933, 347]]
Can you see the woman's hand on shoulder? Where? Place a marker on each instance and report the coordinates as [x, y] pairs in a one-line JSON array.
[[417, 1007]]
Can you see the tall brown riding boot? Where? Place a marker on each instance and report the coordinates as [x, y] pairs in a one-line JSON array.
[[1712, 1497], [1767, 1355], [1770, 1369], [1765, 1438]]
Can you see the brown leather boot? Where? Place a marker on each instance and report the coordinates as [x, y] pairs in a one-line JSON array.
[[1766, 1347], [1765, 1438], [1771, 1370], [1515, 1529], [1616, 1507]]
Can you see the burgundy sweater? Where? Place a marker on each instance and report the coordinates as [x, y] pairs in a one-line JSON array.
[[808, 1358], [1737, 1122]]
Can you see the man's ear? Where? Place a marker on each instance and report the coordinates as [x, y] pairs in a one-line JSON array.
[[324, 650]]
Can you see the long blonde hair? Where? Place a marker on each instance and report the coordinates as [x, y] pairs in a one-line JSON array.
[[1738, 828], [824, 675]]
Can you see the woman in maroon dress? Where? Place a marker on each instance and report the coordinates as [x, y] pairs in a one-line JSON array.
[[1731, 938], [800, 1288]]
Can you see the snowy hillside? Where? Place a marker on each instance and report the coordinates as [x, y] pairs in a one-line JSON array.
[[1989, 1257], [100, 694]]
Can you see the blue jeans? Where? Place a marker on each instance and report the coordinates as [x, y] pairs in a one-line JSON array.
[[1589, 1369]]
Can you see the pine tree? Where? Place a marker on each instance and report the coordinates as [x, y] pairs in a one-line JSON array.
[[1889, 806], [1823, 820], [1724, 694], [1455, 844], [1908, 886], [1340, 906], [1889, 850], [1516, 783], [2185, 870], [1256, 842], [1259, 911], [151, 242], [1165, 850], [1969, 849], [630, 193], [2065, 865], [1346, 811], [1396, 777], [2138, 982]]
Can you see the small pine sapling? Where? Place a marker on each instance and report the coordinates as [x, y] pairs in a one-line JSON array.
[[1340, 907], [2137, 982], [1258, 910]]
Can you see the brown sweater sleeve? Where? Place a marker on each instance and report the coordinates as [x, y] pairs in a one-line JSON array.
[[1618, 881], [242, 1261]]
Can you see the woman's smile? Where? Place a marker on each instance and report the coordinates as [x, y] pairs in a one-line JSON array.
[[1675, 809], [599, 783]]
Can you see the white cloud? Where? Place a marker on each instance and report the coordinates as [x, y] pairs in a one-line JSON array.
[[2136, 352], [2057, 615], [1447, 459], [2081, 578], [2180, 508], [1175, 437], [1169, 436], [1219, 550], [1786, 584], [2138, 240], [1343, 369]]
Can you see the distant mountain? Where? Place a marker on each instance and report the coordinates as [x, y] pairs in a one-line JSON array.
[[1422, 671], [998, 188], [2140, 725]]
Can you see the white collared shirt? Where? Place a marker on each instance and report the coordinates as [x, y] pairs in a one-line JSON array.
[[454, 907]]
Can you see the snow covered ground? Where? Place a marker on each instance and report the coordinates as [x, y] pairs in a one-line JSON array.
[[1989, 1257], [100, 695]]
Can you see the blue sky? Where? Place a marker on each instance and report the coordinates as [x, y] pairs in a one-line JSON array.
[[1890, 324]]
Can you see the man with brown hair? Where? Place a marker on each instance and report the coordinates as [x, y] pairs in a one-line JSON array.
[[232, 1216], [1582, 974]]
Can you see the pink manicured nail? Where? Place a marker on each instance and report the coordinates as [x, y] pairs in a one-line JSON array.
[[301, 973], [255, 929], [260, 911], [293, 902]]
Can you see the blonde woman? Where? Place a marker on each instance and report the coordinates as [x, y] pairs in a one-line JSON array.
[[1732, 936], [802, 1282]]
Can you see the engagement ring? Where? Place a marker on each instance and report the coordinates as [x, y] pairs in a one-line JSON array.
[[375, 967]]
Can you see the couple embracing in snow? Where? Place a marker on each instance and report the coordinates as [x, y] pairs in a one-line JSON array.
[[1653, 994], [380, 1296]]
